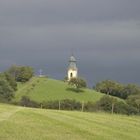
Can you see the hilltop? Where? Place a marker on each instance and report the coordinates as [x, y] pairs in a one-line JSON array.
[[46, 89], [20, 123]]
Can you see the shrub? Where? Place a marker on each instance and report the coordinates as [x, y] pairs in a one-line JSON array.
[[50, 104], [90, 106], [25, 101], [121, 108], [65, 104], [106, 103], [68, 104]]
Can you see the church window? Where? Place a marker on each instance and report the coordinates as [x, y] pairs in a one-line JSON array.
[[71, 75]]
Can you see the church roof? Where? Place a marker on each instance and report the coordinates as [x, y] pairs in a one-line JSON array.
[[72, 59], [72, 63]]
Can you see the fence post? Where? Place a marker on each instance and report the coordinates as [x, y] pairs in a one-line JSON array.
[[59, 105], [82, 106], [112, 110]]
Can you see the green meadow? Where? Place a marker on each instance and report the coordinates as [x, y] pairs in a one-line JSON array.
[[45, 89], [19, 123]]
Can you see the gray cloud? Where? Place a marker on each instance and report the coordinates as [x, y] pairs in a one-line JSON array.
[[38, 13], [104, 35]]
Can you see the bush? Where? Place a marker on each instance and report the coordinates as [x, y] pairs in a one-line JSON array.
[[65, 104], [132, 110], [68, 104], [50, 104], [134, 101], [106, 102], [90, 106], [25, 101]]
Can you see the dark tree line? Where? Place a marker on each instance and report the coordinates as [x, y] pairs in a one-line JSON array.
[[130, 93], [117, 89]]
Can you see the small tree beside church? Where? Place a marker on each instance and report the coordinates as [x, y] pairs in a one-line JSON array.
[[78, 83]]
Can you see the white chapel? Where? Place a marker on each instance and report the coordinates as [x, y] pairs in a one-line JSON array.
[[72, 69]]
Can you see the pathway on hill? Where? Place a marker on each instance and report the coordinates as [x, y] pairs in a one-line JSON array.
[[5, 115], [28, 84]]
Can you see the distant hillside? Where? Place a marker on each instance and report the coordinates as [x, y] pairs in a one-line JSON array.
[[44, 89], [20, 123]]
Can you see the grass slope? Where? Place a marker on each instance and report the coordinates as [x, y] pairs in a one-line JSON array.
[[43, 89], [19, 123]]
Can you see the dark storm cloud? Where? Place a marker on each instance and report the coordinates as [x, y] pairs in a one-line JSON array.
[[103, 34], [34, 12]]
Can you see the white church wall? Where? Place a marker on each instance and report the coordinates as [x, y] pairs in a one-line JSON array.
[[72, 74]]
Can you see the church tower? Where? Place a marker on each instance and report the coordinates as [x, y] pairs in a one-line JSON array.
[[72, 69]]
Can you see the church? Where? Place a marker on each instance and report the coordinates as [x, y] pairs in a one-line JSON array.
[[72, 68]]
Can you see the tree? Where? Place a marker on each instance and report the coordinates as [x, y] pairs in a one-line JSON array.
[[21, 73], [6, 92], [10, 79], [14, 71], [108, 87], [116, 89], [77, 83], [25, 73], [112, 105], [130, 89], [134, 101]]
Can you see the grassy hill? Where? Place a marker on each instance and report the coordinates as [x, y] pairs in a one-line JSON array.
[[19, 123], [44, 89]]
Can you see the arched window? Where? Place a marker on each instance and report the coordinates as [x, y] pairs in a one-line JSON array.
[[71, 74]]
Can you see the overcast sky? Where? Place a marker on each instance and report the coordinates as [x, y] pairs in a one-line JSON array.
[[104, 36]]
